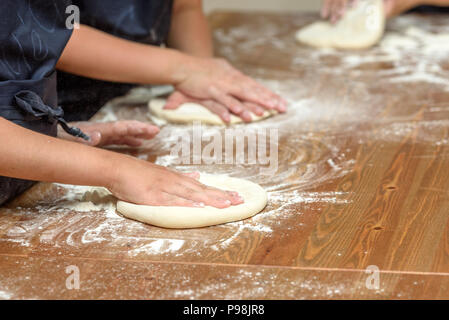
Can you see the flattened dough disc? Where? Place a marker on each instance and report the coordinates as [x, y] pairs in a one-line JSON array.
[[190, 112], [361, 27], [184, 217]]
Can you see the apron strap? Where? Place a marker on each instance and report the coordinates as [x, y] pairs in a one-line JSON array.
[[32, 104]]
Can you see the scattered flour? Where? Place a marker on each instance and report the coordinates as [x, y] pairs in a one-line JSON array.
[[86, 199], [159, 246], [415, 54], [239, 227], [5, 295]]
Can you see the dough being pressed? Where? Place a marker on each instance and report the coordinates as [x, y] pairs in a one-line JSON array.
[[190, 112], [185, 217], [361, 27]]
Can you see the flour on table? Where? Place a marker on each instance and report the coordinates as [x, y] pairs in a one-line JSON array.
[[5, 295], [159, 246], [86, 199]]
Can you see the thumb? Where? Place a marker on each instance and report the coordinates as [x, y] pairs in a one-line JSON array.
[[175, 100], [95, 139], [389, 7]]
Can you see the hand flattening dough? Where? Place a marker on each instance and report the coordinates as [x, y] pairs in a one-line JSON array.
[[185, 217], [361, 27], [190, 112]]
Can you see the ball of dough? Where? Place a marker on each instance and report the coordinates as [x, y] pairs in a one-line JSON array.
[[361, 27], [255, 198], [190, 112]]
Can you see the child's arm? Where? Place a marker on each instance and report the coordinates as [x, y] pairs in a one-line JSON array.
[[25, 154], [97, 55], [190, 32]]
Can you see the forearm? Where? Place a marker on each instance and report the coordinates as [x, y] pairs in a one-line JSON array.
[[190, 32], [436, 2], [95, 54], [415, 3], [25, 154]]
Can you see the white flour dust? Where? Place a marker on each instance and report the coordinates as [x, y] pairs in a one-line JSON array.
[[241, 226], [86, 199], [413, 52], [260, 283], [5, 295], [409, 52], [158, 246]]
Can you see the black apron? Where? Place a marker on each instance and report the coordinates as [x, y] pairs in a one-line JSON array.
[[144, 21], [32, 38], [430, 10]]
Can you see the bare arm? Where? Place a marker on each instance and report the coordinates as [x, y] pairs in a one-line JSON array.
[[95, 54], [190, 32], [33, 156], [434, 2], [25, 150]]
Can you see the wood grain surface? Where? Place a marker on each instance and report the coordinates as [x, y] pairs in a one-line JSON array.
[[362, 180]]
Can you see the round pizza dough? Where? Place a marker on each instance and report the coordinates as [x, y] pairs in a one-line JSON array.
[[361, 27], [190, 112], [185, 217]]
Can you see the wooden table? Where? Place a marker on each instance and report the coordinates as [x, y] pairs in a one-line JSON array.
[[363, 180]]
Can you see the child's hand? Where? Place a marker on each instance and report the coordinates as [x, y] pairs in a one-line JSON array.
[[223, 89], [130, 133], [334, 10], [178, 98], [140, 182]]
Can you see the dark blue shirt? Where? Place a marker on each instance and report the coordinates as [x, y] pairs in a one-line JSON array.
[[145, 21], [32, 37]]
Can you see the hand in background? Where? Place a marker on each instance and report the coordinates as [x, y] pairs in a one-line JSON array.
[[223, 89], [334, 10], [177, 98]]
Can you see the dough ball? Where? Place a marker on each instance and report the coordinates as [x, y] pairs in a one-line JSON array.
[[190, 112], [185, 217], [361, 27]]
